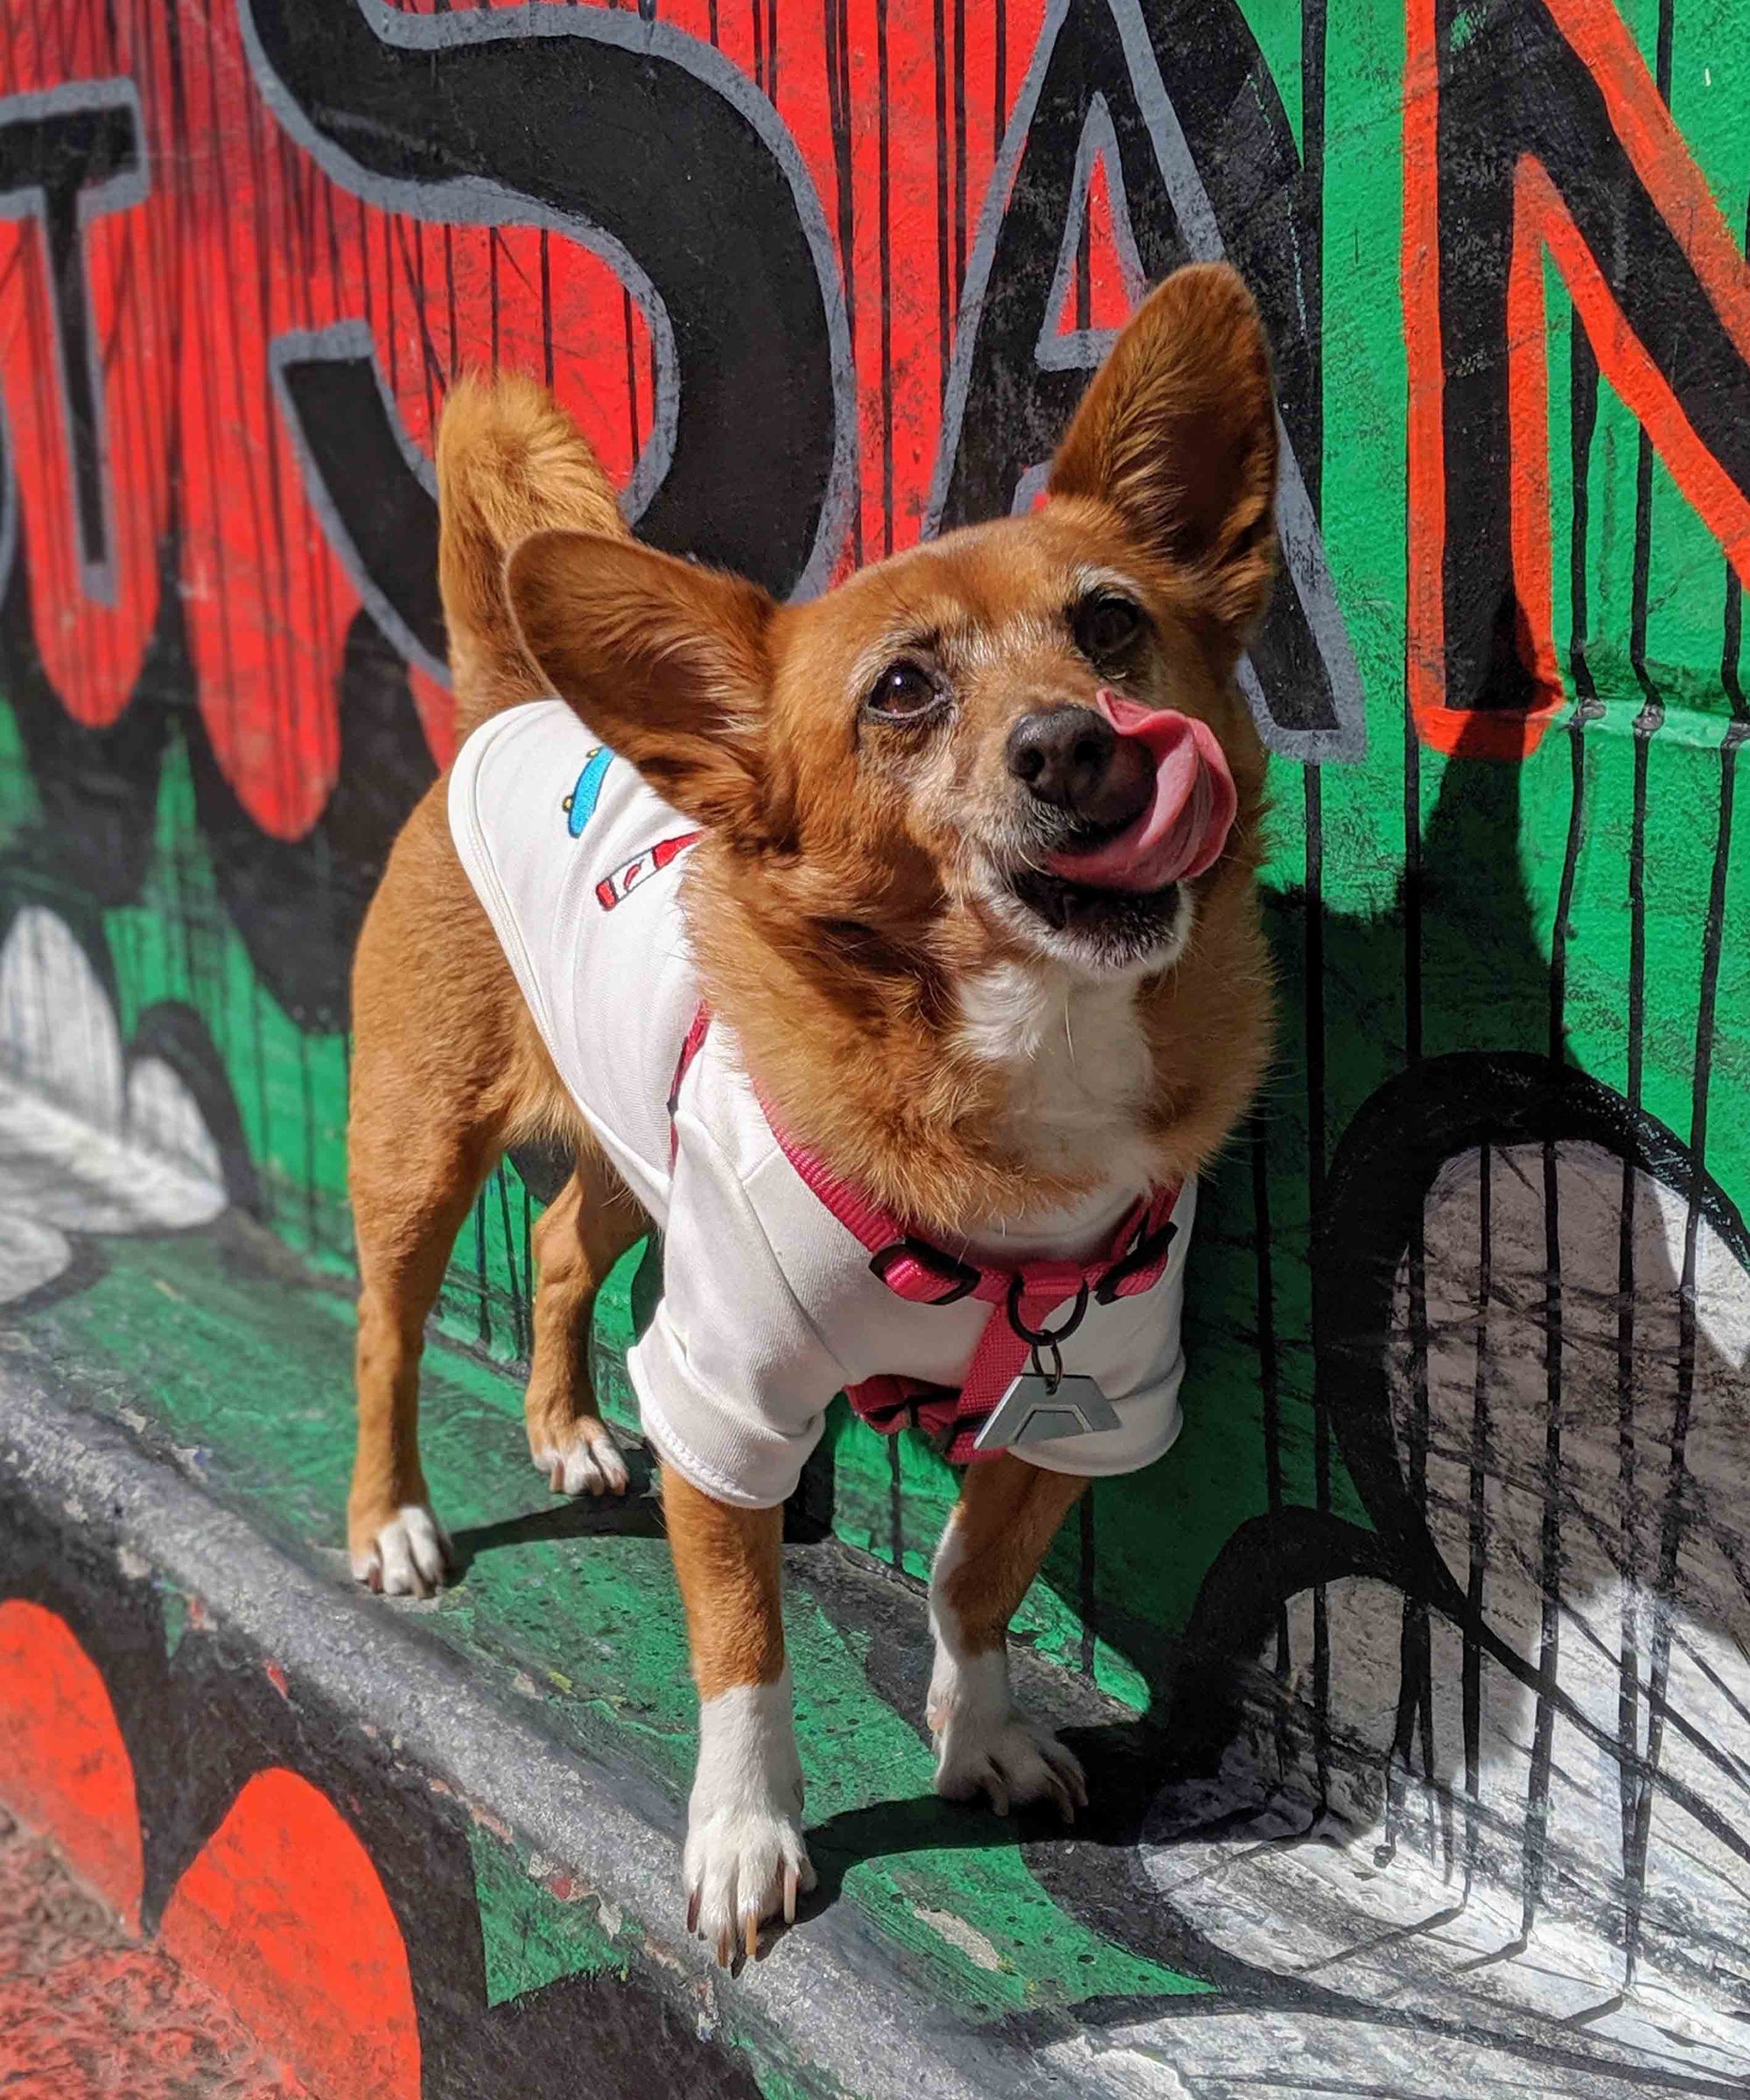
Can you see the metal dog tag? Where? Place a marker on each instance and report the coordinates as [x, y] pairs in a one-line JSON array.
[[1036, 1408]]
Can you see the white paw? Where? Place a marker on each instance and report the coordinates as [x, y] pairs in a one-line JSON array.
[[744, 1861], [986, 1744], [742, 1868], [583, 1462], [408, 1556]]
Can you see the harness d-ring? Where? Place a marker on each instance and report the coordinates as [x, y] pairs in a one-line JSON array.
[[1046, 1337]]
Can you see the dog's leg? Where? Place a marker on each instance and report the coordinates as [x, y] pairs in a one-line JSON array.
[[745, 1856], [1007, 1516], [577, 1239], [411, 1182]]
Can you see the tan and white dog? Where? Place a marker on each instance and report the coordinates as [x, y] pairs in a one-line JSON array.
[[969, 892]]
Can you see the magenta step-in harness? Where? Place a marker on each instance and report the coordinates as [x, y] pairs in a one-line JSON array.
[[1025, 1298]]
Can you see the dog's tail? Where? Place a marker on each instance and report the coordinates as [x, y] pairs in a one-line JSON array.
[[510, 462]]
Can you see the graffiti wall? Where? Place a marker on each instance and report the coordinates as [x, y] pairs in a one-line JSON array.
[[1456, 1530]]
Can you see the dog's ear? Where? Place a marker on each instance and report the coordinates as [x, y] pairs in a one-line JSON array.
[[666, 662], [1178, 435]]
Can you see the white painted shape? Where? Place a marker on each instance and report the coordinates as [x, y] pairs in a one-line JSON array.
[[58, 1030], [1405, 1927], [31, 1253], [85, 1146], [162, 1117], [63, 1169]]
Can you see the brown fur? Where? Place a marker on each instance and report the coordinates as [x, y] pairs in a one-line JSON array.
[[830, 905], [726, 1561], [1006, 1517], [817, 904], [447, 1067]]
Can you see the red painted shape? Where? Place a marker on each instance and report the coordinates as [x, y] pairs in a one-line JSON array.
[[284, 1914], [1655, 148], [1624, 362], [86, 2013], [92, 631], [1108, 302], [240, 240], [64, 1768], [1601, 40]]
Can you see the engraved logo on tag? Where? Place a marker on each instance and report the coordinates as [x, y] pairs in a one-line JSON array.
[[1036, 1408]]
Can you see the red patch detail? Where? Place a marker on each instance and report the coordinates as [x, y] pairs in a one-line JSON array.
[[284, 1915], [613, 889], [64, 1768]]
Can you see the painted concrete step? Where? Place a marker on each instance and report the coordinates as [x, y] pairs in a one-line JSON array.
[[432, 1848]]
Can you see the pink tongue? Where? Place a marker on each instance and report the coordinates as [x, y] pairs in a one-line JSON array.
[[1182, 832]]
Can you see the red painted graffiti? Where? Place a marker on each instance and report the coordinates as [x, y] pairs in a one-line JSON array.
[[64, 1768], [1550, 136], [282, 1911], [221, 237]]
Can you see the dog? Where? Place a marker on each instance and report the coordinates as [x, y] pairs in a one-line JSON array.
[[897, 954]]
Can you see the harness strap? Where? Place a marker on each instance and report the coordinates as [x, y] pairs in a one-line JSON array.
[[1024, 1297]]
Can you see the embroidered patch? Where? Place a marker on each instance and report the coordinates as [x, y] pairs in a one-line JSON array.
[[580, 804], [626, 878]]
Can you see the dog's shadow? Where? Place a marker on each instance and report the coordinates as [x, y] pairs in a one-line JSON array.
[[637, 1514]]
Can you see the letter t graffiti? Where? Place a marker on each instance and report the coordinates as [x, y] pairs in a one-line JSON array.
[[67, 157]]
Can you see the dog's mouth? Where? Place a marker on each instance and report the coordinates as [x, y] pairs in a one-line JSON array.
[[1120, 927]]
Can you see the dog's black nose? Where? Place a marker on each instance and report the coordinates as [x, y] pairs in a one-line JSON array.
[[1075, 760]]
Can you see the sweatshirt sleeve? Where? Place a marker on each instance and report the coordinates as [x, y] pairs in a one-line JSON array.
[[731, 1377]]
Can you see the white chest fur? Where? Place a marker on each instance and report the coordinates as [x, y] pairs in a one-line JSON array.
[[1076, 1062]]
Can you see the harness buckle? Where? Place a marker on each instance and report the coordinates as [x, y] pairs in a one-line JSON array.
[[961, 1278], [1149, 1249]]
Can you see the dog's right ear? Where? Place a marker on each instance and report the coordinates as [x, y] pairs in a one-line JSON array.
[[666, 662]]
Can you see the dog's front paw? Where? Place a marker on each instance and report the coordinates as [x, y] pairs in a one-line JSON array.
[[745, 1860], [744, 1865], [407, 1555], [581, 1458], [986, 1744]]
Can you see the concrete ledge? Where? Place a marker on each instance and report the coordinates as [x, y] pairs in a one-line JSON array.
[[826, 2009], [466, 1813]]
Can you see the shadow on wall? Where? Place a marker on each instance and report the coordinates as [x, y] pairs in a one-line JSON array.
[[1490, 1751]]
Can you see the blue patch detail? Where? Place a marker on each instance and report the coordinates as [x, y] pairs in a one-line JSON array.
[[580, 804]]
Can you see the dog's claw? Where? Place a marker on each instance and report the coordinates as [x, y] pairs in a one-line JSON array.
[[693, 1902], [792, 1878], [750, 1934]]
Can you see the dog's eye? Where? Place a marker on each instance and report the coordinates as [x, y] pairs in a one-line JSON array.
[[904, 692], [1105, 625]]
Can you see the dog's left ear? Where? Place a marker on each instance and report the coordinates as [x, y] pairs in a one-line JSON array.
[[1178, 434], [665, 662]]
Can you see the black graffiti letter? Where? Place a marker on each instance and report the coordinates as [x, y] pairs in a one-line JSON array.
[[647, 147], [67, 156], [1206, 170]]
